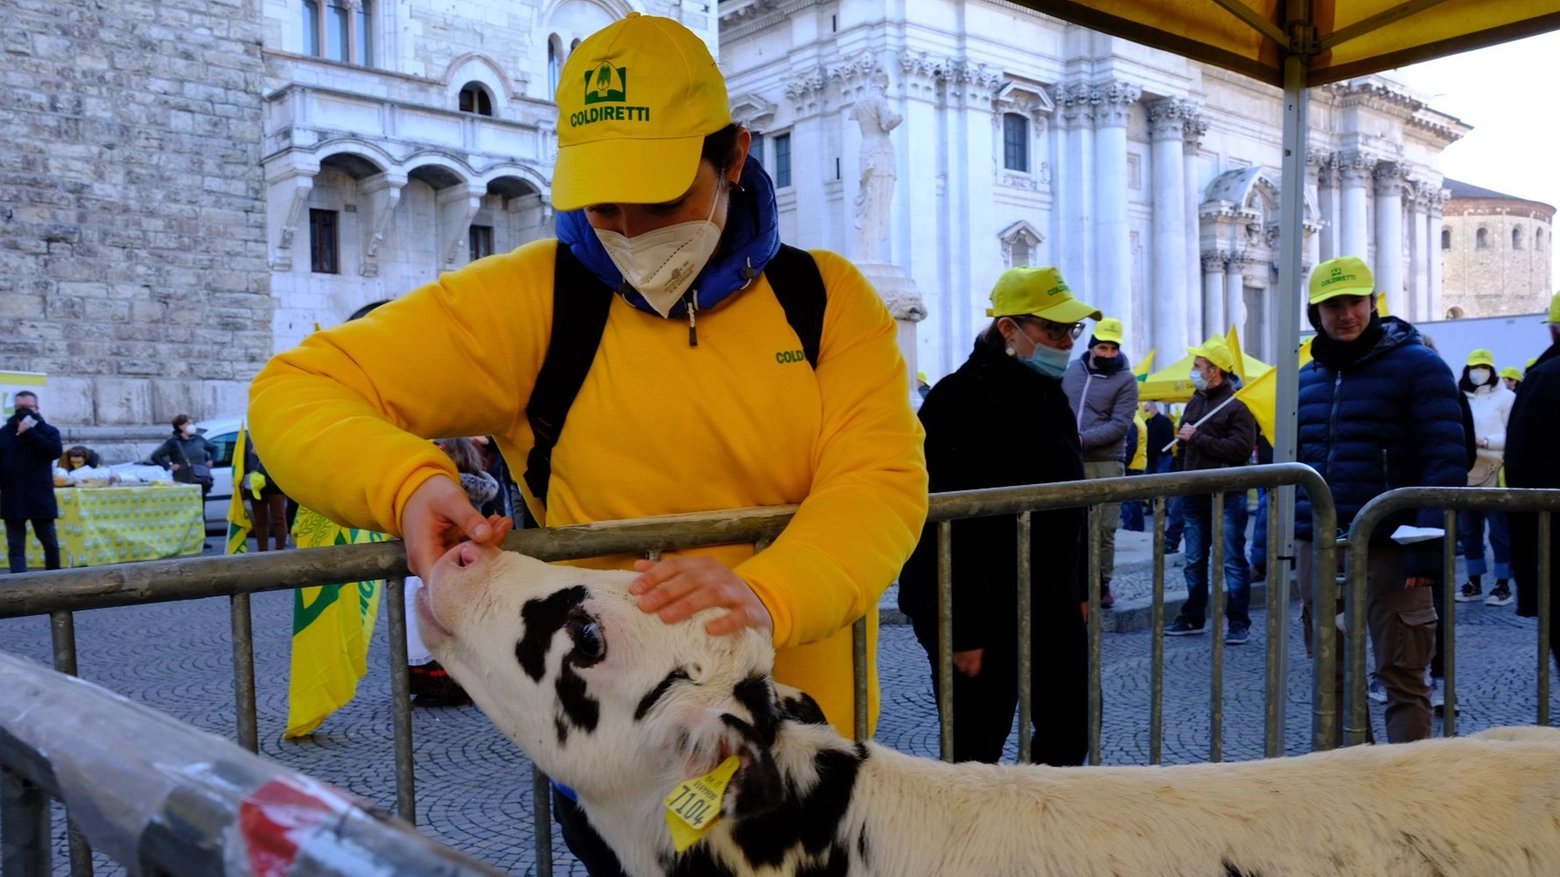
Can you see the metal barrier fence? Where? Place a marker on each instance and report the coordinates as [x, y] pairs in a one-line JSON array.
[[165, 799], [1451, 500], [59, 593]]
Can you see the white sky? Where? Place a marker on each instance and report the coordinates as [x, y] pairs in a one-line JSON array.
[[1504, 93]]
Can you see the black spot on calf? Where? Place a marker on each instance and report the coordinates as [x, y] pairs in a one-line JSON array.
[[544, 618], [1231, 871], [803, 709], [575, 703], [810, 820], [648, 702]]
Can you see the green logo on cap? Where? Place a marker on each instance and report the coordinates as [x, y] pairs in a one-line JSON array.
[[606, 84]]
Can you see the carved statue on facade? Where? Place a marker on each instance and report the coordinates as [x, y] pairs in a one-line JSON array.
[[876, 192]]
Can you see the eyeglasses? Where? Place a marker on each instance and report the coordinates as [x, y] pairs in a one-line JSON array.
[[1055, 331]]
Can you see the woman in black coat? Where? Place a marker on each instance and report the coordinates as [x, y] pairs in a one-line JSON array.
[[184, 451], [1002, 420]]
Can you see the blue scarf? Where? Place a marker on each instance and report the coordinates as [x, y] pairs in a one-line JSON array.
[[751, 237]]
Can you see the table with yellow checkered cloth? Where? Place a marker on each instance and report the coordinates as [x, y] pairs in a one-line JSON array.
[[102, 525]]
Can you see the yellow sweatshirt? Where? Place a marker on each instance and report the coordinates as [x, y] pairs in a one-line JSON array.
[[658, 428]]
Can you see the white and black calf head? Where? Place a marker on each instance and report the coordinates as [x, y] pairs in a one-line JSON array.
[[605, 698]]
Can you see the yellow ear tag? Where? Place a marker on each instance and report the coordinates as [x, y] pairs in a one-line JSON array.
[[693, 808]]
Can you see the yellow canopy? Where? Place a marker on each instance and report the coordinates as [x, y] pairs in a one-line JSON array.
[[1350, 38], [1173, 383]]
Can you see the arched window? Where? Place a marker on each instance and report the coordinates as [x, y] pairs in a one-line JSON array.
[[1538, 239], [574, 45], [554, 64], [1516, 237], [1481, 239], [1446, 239], [474, 99], [1015, 142]]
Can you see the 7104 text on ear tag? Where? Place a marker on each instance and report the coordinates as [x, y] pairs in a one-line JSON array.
[[693, 808]]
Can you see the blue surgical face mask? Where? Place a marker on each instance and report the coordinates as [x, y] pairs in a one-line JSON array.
[[1048, 361], [1198, 381]]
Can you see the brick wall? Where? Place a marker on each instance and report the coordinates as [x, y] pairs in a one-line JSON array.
[[132, 224]]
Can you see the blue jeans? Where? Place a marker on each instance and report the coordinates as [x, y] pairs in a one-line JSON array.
[[1132, 510], [1237, 575], [1470, 540], [1259, 533]]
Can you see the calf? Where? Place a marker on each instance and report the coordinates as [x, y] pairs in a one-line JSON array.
[[623, 708]]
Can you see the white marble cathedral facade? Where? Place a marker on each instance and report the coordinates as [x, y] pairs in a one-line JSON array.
[[1152, 181]]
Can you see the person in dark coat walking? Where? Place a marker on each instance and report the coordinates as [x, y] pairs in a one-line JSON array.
[[1002, 420], [1218, 432], [1379, 410], [1531, 461], [28, 448]]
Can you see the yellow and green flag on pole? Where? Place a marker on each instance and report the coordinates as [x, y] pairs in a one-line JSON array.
[[239, 523], [332, 626]]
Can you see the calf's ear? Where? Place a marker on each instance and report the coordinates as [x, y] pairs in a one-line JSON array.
[[756, 788]]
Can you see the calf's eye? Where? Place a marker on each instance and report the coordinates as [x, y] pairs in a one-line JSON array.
[[587, 639]]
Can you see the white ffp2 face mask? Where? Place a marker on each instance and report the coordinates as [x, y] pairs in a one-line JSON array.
[[662, 264], [1479, 376]]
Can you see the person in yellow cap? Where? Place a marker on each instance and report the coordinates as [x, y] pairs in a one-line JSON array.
[[1511, 376], [922, 385], [1104, 393], [1002, 420], [694, 376], [1218, 431], [1489, 405], [1531, 461], [1379, 410]]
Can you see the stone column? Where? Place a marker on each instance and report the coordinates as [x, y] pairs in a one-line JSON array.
[[1235, 296], [1195, 127], [1389, 235], [1325, 177], [1212, 295], [1421, 248], [1113, 105], [809, 158], [1075, 201], [1168, 294], [938, 353], [1353, 237], [1437, 205]]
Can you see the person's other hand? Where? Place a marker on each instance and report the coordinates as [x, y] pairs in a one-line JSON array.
[[968, 662], [437, 516], [173, 467], [1084, 606], [675, 589], [1186, 433]]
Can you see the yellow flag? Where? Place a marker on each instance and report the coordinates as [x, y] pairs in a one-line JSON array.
[[239, 523], [1381, 304], [332, 625], [1232, 341], [1147, 365], [1261, 394]]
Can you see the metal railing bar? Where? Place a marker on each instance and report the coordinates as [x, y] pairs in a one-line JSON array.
[[945, 640], [1277, 645], [248, 729], [1024, 632], [1449, 660], [401, 699], [1215, 573], [1096, 628], [1156, 694]]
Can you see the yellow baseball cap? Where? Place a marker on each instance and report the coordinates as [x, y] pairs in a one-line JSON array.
[[635, 102], [1039, 292], [1510, 371], [1215, 351], [1482, 357], [1554, 308], [1345, 275], [1108, 330]]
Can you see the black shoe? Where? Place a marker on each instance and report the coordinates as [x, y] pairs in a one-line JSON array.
[[1500, 595], [1182, 627], [431, 686], [1106, 600]]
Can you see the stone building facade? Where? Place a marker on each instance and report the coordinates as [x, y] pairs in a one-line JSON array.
[[1151, 180], [1496, 250], [132, 205]]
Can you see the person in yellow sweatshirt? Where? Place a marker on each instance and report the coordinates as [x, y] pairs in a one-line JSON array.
[[698, 396]]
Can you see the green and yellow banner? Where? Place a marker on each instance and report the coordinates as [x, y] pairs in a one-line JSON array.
[[332, 626]]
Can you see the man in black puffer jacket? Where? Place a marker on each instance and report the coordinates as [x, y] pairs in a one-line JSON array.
[[1378, 411]]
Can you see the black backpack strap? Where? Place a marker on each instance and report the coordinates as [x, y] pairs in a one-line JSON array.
[[580, 306], [793, 275]]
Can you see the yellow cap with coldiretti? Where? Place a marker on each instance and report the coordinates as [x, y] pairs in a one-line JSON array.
[[1511, 372], [635, 102], [1482, 357], [1554, 308], [1215, 351], [1345, 275], [1109, 330], [1039, 292]]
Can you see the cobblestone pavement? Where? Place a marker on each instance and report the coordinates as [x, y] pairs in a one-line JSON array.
[[474, 786]]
